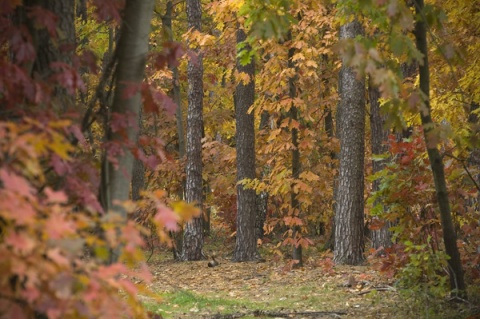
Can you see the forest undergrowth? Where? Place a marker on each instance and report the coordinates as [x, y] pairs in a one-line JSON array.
[[273, 289]]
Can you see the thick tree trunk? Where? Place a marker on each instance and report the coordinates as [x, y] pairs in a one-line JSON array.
[[436, 162], [349, 215], [246, 245], [381, 238], [132, 52], [193, 233], [48, 49]]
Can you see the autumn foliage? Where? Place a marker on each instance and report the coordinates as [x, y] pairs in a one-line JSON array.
[[57, 237]]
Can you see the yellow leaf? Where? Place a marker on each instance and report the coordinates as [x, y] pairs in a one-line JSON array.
[[185, 210]]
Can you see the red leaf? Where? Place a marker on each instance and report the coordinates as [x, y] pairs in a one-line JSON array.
[[67, 77], [16, 183], [21, 211], [55, 197], [22, 46], [44, 19], [57, 226], [165, 217], [130, 89], [20, 242], [107, 10], [56, 256]]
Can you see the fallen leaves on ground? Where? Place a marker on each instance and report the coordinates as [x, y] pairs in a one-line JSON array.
[[269, 284]]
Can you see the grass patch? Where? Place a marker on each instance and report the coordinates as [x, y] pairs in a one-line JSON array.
[[184, 303]]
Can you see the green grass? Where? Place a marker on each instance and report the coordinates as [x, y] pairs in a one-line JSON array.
[[185, 303]]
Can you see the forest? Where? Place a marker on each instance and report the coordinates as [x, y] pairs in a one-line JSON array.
[[239, 158]]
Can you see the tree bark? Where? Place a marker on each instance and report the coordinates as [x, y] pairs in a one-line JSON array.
[[436, 162], [262, 198], [138, 172], [330, 130], [381, 238], [193, 236], [349, 215], [245, 246], [48, 49], [296, 165], [132, 52]]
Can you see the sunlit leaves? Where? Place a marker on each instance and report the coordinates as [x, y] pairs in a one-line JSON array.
[[267, 19]]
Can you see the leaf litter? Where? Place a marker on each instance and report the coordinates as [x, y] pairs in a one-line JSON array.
[[270, 289]]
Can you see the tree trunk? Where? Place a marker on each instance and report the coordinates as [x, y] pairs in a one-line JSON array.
[[193, 233], [132, 52], [349, 215], [48, 49], [436, 162], [296, 166], [381, 238], [262, 198], [138, 172], [245, 246], [330, 130]]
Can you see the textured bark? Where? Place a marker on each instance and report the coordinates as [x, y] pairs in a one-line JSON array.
[[330, 130], [132, 52], [381, 237], [48, 49], [245, 246], [138, 172], [167, 24], [296, 166], [436, 161], [193, 233], [349, 215], [262, 198]]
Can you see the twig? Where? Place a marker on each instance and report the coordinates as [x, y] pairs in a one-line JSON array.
[[466, 170], [278, 314], [388, 288], [295, 313]]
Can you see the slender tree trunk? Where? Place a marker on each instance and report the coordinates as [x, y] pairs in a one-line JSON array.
[[167, 24], [245, 246], [296, 166], [262, 198], [381, 238], [193, 236], [132, 52], [330, 130], [436, 162], [349, 215], [177, 237], [138, 173]]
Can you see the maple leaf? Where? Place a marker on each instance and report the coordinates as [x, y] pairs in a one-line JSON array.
[[20, 242], [30, 294], [55, 197], [19, 210], [186, 210], [130, 89], [166, 217], [15, 183], [107, 10], [23, 48], [56, 256], [44, 19], [67, 76], [131, 236], [57, 226]]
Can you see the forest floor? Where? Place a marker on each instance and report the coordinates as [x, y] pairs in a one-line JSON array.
[[272, 289]]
